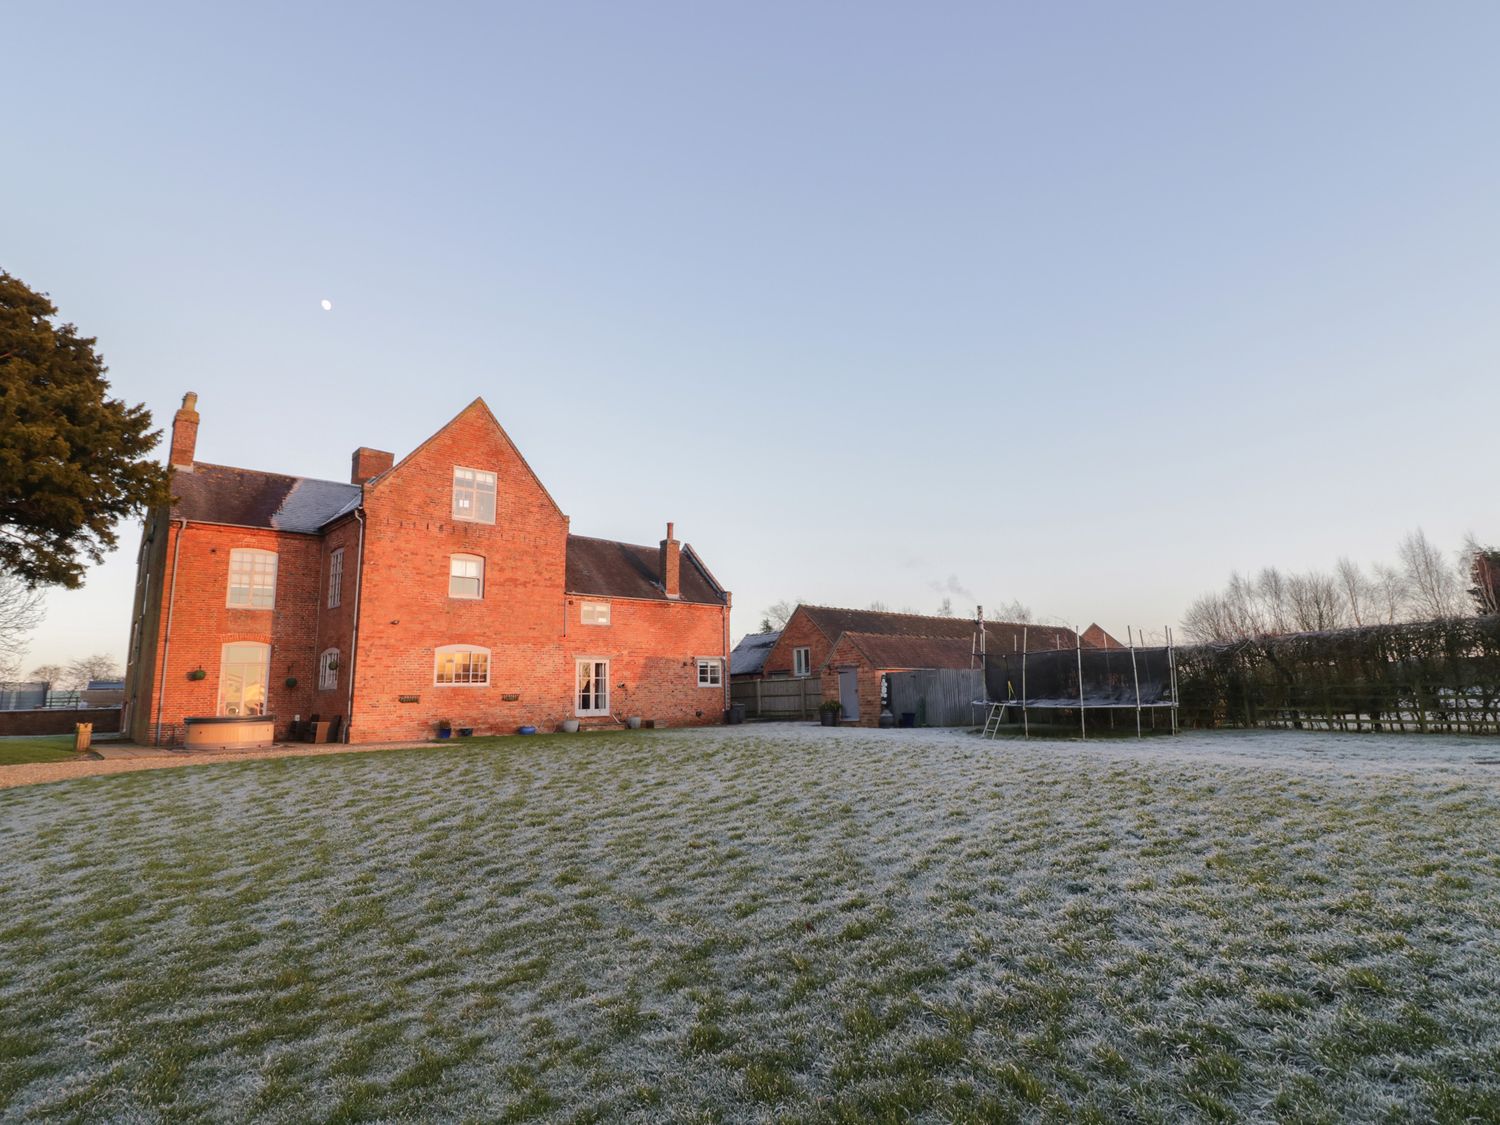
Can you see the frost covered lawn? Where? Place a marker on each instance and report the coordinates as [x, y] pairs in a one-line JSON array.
[[763, 923], [19, 751]]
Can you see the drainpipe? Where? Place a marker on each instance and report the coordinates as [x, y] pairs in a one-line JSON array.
[[166, 645], [359, 584]]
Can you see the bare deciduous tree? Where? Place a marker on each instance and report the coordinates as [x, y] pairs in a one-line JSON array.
[[95, 667], [776, 616], [1391, 594], [21, 611], [55, 675], [1435, 586], [1012, 611], [1357, 589]]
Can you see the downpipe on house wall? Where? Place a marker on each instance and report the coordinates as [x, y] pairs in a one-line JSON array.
[[166, 647], [359, 584]]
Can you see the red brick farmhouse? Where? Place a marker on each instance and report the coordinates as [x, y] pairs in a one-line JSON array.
[[447, 586]]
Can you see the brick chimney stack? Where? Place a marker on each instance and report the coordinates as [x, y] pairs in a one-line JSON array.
[[185, 434], [369, 463], [671, 565]]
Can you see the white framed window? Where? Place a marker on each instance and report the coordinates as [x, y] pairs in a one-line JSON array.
[[252, 578], [465, 576], [336, 578], [594, 613], [462, 665], [802, 662], [592, 695], [328, 670], [244, 674], [710, 671], [473, 495]]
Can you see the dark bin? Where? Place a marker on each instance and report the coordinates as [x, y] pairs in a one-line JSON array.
[[735, 715], [908, 718]]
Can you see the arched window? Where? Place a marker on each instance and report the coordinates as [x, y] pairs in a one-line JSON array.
[[465, 576], [328, 670], [252, 578], [462, 665], [244, 676]]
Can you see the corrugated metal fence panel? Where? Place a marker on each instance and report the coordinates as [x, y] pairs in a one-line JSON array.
[[940, 697], [780, 698]]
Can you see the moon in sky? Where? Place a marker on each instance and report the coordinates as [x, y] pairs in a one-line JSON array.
[[327, 305]]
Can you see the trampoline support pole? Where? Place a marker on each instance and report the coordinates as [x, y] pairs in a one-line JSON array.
[[1082, 725], [1172, 659], [1025, 721], [1136, 675]]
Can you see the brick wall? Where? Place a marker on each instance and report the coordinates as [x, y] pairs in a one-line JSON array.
[[799, 632], [845, 655], [106, 720], [203, 623]]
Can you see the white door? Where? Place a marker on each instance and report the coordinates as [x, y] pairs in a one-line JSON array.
[[849, 692]]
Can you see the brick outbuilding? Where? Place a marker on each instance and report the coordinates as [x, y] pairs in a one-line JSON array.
[[446, 586]]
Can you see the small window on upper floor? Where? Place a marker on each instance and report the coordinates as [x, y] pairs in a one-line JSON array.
[[710, 672], [594, 613], [252, 578], [801, 661], [465, 576], [473, 495], [336, 578]]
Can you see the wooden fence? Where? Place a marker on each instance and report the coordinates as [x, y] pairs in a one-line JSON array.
[[782, 698], [941, 697]]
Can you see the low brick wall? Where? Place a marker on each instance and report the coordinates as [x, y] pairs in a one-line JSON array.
[[106, 720]]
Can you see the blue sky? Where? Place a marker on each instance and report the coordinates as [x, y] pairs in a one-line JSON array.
[[1081, 305]]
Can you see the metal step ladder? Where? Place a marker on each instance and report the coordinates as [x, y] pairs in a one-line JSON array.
[[993, 720]]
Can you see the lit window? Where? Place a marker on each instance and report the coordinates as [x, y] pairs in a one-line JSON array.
[[336, 579], [244, 672], [462, 664], [465, 576], [473, 495], [328, 670], [801, 661], [593, 687], [709, 672], [594, 613], [252, 578]]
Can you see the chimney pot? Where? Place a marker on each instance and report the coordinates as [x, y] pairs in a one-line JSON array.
[[184, 434]]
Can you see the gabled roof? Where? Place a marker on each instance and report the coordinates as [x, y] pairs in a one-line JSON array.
[[250, 498], [608, 569], [749, 656], [885, 650]]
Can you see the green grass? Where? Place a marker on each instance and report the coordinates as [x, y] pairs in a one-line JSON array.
[[21, 751], [754, 925]]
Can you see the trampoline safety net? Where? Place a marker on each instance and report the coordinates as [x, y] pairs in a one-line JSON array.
[[1051, 678]]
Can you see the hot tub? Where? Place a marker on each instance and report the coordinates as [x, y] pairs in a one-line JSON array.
[[229, 732]]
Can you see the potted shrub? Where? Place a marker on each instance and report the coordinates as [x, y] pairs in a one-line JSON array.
[[444, 728], [830, 710]]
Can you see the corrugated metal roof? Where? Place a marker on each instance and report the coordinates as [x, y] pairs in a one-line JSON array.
[[749, 656]]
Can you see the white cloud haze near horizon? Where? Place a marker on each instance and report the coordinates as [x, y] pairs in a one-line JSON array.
[[1082, 308]]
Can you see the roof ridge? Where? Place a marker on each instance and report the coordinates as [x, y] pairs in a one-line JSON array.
[[270, 473]]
